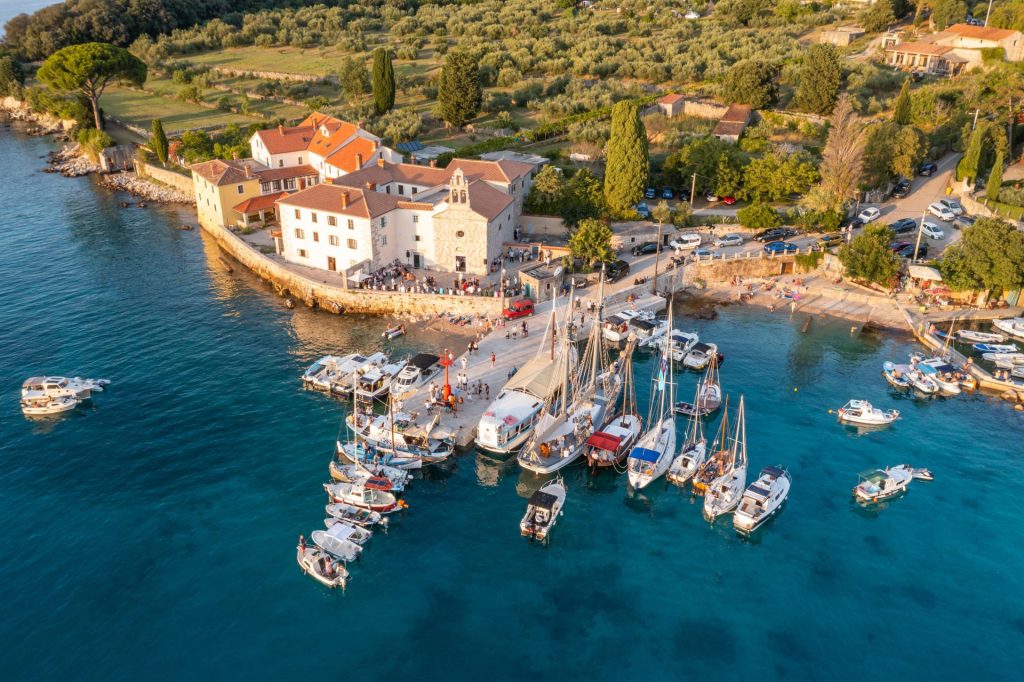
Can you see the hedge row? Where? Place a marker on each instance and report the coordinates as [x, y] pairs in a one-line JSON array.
[[1005, 210]]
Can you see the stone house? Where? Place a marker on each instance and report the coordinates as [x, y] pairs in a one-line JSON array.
[[671, 105], [968, 37], [940, 60], [841, 36], [733, 122]]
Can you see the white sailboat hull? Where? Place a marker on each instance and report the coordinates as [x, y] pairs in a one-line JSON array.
[[661, 439]]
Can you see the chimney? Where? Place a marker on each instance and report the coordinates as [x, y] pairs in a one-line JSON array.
[[433, 163], [248, 171], [280, 128], [359, 161], [344, 199], [380, 162], [371, 186], [376, 145]]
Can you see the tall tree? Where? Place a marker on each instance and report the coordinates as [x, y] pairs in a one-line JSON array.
[[751, 81], [947, 12], [903, 109], [11, 75], [88, 68], [383, 80], [820, 77], [972, 155], [842, 160], [627, 165], [868, 257], [989, 255], [879, 16], [354, 79], [158, 141], [458, 94], [592, 242], [995, 178]]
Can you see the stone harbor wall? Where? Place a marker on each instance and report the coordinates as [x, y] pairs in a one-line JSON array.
[[723, 270], [337, 299], [167, 177]]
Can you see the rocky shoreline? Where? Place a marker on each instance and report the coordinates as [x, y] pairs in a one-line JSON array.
[[70, 162], [144, 189]]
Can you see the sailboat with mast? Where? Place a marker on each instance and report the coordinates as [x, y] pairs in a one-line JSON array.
[[725, 492], [583, 404], [653, 454], [609, 446], [694, 451], [720, 461]]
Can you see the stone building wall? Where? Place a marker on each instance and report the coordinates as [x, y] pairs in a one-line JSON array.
[[168, 177]]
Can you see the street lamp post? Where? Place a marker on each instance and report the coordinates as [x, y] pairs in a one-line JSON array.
[[447, 359], [920, 228]]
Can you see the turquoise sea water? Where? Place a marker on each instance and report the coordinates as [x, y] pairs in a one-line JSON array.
[[153, 534]]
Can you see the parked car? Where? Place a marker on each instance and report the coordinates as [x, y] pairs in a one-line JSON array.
[[906, 249], [728, 201], [732, 239], [645, 248], [703, 252], [616, 271], [928, 168], [667, 193], [651, 193], [903, 225], [853, 223], [901, 190], [780, 247], [774, 234], [953, 205], [643, 210], [940, 211], [683, 195], [711, 197], [931, 230], [963, 221], [685, 241], [520, 307], [869, 214], [829, 240]]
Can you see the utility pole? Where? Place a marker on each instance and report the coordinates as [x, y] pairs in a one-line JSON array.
[[988, 12], [920, 227], [975, 124], [693, 189], [657, 257]]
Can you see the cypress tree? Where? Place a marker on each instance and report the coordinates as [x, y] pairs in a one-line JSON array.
[[158, 141], [820, 76], [902, 111], [995, 178], [458, 93], [383, 81], [972, 156], [627, 165]]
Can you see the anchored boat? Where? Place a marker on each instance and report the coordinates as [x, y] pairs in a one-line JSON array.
[[694, 451], [700, 355], [322, 567], [62, 387], [709, 395], [724, 493], [762, 499], [542, 511], [1013, 326], [654, 452], [420, 369], [880, 484], [373, 494], [863, 412], [353, 514]]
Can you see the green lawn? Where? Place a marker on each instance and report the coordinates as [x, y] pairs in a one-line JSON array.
[[140, 108], [311, 61]]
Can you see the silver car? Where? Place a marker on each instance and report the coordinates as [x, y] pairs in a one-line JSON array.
[[729, 240]]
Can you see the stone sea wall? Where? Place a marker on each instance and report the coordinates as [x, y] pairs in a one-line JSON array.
[[337, 299], [168, 177]]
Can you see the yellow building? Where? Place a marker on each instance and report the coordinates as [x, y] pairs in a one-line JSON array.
[[220, 186]]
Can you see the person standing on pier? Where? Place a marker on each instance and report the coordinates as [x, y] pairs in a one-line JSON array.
[[492, 359]]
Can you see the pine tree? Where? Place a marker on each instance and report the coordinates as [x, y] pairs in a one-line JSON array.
[[903, 110], [820, 76], [383, 81], [458, 94], [995, 178], [842, 161], [627, 165], [158, 141]]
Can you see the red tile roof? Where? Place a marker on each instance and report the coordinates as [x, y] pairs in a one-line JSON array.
[[283, 140], [492, 171], [980, 32], [330, 199], [920, 48], [671, 99], [303, 171], [486, 200], [221, 172], [260, 203], [353, 155]]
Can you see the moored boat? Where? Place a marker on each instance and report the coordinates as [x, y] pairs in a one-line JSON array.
[[357, 515], [375, 382], [1008, 359], [724, 493], [394, 331], [359, 473], [321, 566], [862, 412], [417, 371], [709, 395], [41, 405], [692, 456], [972, 336], [679, 343], [355, 532], [63, 387], [700, 355], [373, 494], [995, 347], [543, 510], [610, 446], [335, 541], [762, 499], [655, 450], [880, 484], [1013, 326], [896, 375], [342, 379]]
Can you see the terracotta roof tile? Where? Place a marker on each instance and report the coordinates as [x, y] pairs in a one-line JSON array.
[[671, 99], [492, 171], [920, 48], [286, 140], [486, 200], [329, 198], [221, 172], [353, 155], [980, 32], [260, 203], [285, 173]]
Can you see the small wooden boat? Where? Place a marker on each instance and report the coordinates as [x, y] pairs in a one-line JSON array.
[[394, 331], [322, 567], [42, 405], [373, 494], [896, 375], [995, 347], [862, 412], [359, 473], [357, 515], [971, 336], [542, 511], [1008, 359]]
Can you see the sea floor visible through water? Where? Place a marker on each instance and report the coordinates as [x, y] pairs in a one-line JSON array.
[[152, 534]]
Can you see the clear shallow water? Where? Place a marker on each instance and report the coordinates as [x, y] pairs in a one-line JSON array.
[[153, 534]]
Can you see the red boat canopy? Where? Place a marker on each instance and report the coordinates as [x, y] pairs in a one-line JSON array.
[[604, 441]]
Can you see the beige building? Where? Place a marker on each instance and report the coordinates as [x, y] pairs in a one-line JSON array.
[[242, 192], [967, 37], [841, 36], [940, 60], [733, 122]]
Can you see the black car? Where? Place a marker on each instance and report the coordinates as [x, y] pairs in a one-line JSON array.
[[616, 271], [906, 249], [645, 248], [683, 195], [928, 168], [901, 190], [963, 220], [774, 234], [903, 225]]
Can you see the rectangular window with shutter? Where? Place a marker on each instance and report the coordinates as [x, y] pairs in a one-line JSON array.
[[312, 216], [300, 233], [316, 236], [352, 244], [351, 224], [332, 221], [297, 214], [333, 240]]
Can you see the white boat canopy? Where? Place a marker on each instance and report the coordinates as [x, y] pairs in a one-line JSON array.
[[924, 272]]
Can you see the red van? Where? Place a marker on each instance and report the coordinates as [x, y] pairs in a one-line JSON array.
[[521, 307]]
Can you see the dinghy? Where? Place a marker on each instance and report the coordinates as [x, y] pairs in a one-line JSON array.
[[995, 347], [923, 474], [322, 567], [542, 511], [896, 375], [881, 484], [762, 499], [356, 534], [862, 412], [394, 331], [922, 382], [971, 336], [357, 515], [1008, 359]]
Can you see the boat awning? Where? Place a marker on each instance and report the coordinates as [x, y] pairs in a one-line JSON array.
[[924, 272], [758, 493], [377, 483], [538, 376], [423, 360], [543, 499], [775, 471], [645, 455], [645, 325], [701, 348], [604, 441]]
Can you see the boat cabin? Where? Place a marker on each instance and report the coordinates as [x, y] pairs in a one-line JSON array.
[[543, 505]]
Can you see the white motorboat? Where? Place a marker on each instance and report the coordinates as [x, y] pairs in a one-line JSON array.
[[680, 343], [402, 435], [709, 395], [1013, 326], [947, 378], [359, 473], [922, 382], [355, 532], [420, 369], [694, 451], [1017, 372], [896, 375], [373, 494], [343, 378], [543, 510], [320, 373], [762, 499], [922, 474], [393, 332], [508, 422], [648, 333], [375, 382], [357, 515], [995, 347], [656, 449], [62, 387], [971, 336], [42, 405], [724, 493], [335, 541], [617, 328], [862, 412], [322, 567], [880, 484], [700, 355], [368, 455], [1008, 359]]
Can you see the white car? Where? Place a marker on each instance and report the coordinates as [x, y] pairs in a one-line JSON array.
[[729, 240], [869, 214], [686, 241], [953, 205], [940, 211], [931, 230]]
